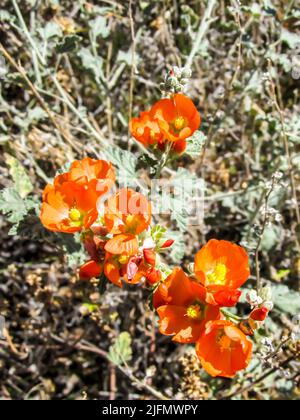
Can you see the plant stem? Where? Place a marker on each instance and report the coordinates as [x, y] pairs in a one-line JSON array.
[[27, 33], [257, 249], [204, 26], [230, 315], [286, 146], [88, 347], [133, 63], [163, 161]]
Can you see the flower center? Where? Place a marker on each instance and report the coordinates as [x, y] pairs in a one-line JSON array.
[[75, 217], [218, 275], [194, 311], [123, 259], [152, 134], [223, 341], [131, 223], [179, 123]]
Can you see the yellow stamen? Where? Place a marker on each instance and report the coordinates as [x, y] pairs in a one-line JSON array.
[[123, 259], [75, 215], [218, 275], [194, 311], [131, 223], [152, 135], [179, 123], [223, 341]]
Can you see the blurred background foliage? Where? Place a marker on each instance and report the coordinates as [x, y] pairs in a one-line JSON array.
[[73, 75]]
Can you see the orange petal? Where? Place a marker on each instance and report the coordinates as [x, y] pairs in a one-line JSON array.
[[174, 321], [123, 244], [112, 272], [90, 270], [178, 289]]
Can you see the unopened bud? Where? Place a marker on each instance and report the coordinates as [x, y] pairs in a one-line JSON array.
[[266, 294], [253, 299], [177, 72], [186, 72]]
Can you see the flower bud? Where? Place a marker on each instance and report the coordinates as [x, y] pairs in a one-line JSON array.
[[266, 293], [245, 327], [259, 314], [269, 305], [253, 299], [186, 72], [153, 276], [150, 256], [184, 81], [168, 243], [177, 72], [172, 82]]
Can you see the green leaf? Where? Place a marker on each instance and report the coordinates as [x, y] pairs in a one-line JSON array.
[[51, 30], [281, 274], [12, 205], [286, 300], [121, 351], [36, 114], [255, 10], [75, 259], [125, 161], [74, 250], [158, 232], [144, 4], [179, 214], [33, 115], [99, 26], [271, 237], [92, 63], [15, 207], [68, 44], [22, 183], [187, 190], [125, 57], [178, 248], [6, 17], [292, 39], [195, 144]]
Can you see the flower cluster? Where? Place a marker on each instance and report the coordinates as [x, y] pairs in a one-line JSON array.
[[115, 230], [190, 308], [168, 124]]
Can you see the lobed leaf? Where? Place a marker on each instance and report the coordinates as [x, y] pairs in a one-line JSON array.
[[121, 351]]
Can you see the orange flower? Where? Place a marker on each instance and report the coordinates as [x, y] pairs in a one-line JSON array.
[[119, 251], [123, 267], [69, 208], [178, 118], [146, 130], [124, 261], [222, 267], [91, 269], [127, 212], [181, 306], [223, 349], [97, 174]]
